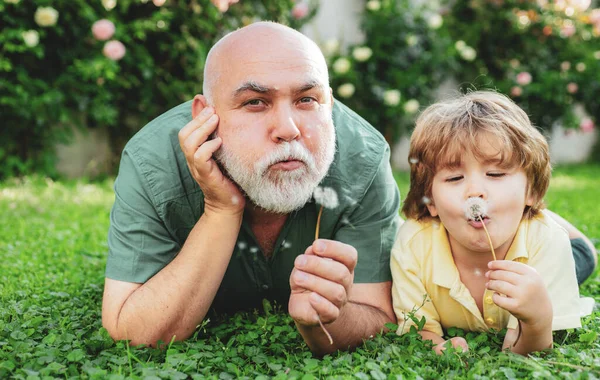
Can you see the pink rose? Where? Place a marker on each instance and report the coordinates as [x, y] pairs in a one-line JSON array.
[[572, 88], [587, 125], [516, 91], [114, 50], [567, 30], [523, 78], [299, 11], [159, 3], [595, 16], [103, 29]]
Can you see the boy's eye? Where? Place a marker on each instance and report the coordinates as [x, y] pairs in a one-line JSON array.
[[496, 174], [454, 178]]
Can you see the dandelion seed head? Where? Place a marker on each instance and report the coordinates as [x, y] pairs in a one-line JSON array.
[[475, 207], [326, 196]]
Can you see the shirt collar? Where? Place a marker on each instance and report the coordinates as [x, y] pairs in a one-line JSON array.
[[445, 272]]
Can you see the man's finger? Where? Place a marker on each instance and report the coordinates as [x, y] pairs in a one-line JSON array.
[[335, 250], [324, 267], [194, 124], [326, 310], [332, 291]]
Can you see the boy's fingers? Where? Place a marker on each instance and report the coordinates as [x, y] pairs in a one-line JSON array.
[[508, 265], [504, 275], [502, 287]]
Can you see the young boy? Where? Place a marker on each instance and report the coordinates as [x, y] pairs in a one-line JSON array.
[[481, 149]]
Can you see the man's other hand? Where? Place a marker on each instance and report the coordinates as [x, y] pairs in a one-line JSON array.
[[321, 282]]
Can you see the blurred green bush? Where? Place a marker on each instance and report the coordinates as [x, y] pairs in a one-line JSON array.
[[544, 54], [56, 74]]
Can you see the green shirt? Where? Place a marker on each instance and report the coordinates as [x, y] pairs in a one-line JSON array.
[[157, 203]]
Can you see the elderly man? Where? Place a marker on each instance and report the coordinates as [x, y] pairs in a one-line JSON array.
[[218, 201]]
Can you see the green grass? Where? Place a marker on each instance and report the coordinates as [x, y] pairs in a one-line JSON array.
[[52, 256]]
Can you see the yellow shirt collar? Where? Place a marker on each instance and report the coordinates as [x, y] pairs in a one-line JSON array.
[[445, 272]]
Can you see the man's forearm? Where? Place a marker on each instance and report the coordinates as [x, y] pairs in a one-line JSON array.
[[176, 299], [356, 323]]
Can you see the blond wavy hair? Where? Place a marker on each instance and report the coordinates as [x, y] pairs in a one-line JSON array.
[[448, 129]]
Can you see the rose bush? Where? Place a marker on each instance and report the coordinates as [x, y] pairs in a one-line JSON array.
[[544, 54]]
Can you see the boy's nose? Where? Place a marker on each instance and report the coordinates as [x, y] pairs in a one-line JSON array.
[[475, 189]]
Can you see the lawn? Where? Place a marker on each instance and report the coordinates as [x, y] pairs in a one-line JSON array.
[[53, 250]]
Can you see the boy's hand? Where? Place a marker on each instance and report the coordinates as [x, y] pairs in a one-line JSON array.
[[520, 290], [459, 343]]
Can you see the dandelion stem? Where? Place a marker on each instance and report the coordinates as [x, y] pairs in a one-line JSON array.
[[316, 237], [318, 222], [488, 236]]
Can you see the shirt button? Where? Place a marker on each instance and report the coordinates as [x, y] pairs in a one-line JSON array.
[[489, 320], [265, 287], [489, 300]]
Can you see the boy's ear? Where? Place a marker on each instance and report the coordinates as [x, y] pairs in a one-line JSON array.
[[198, 104], [530, 199], [432, 209]]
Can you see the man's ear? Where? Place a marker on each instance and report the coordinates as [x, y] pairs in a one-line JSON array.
[[198, 104]]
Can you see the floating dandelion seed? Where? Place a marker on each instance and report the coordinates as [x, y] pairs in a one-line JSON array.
[[413, 160], [477, 272], [242, 245], [253, 250], [287, 244], [326, 196], [476, 208], [426, 200], [235, 200]]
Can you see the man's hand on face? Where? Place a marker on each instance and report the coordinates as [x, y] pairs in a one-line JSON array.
[[220, 193], [321, 281], [223, 5]]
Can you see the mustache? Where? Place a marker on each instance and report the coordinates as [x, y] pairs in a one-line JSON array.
[[286, 151]]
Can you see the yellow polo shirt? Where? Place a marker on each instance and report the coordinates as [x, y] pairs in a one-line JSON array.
[[422, 264]]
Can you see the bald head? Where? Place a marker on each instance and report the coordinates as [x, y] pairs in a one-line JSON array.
[[256, 43]]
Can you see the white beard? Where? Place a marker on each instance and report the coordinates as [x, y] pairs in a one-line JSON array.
[[280, 191]]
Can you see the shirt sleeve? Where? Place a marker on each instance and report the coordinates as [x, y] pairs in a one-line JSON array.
[[409, 292], [138, 241], [373, 225], [552, 257]]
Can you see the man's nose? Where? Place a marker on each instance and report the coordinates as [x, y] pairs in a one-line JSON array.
[[284, 126]]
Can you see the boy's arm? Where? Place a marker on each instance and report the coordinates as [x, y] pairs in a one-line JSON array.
[[530, 339], [408, 292], [521, 290]]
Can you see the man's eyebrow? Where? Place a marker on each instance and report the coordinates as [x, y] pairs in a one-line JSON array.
[[255, 87], [252, 86], [311, 84]]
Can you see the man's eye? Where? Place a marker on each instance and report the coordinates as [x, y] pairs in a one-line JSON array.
[[254, 102], [496, 174], [307, 100]]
